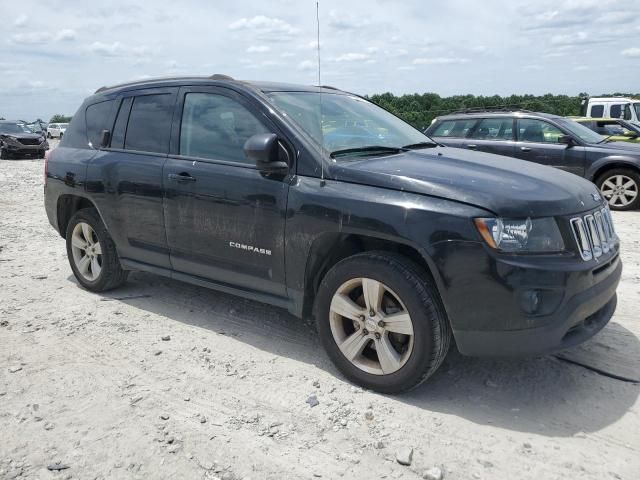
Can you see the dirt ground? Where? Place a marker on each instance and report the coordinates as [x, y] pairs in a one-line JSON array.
[[88, 382]]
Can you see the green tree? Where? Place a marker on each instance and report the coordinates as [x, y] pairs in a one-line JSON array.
[[57, 118]]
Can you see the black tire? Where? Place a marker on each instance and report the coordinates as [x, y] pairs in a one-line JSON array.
[[4, 155], [627, 172], [48, 135], [432, 333], [111, 274]]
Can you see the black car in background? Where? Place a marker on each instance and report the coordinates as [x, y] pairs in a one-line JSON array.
[[318, 201], [17, 141], [548, 140]]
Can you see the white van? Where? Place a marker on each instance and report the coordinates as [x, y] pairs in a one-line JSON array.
[[612, 107], [56, 130]]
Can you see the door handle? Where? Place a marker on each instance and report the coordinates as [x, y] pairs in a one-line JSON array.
[[181, 177], [525, 149], [472, 147]]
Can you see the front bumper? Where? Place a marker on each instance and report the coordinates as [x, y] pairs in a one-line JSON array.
[[573, 301], [25, 150]]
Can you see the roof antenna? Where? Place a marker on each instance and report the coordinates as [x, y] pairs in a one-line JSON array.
[[322, 182]]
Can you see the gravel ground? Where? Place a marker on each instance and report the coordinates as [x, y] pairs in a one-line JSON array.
[[160, 379]]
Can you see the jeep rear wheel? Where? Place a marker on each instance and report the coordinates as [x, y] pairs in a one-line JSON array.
[[621, 188], [92, 253], [382, 322]]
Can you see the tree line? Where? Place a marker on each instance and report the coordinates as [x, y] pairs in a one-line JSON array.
[[420, 109]]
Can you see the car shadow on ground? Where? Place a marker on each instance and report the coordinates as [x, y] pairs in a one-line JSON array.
[[538, 395]]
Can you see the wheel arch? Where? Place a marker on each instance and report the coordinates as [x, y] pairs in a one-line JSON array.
[[330, 248], [68, 205], [605, 164]]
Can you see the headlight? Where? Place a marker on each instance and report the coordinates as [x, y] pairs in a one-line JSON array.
[[521, 235]]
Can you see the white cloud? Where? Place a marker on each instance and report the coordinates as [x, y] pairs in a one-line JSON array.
[[287, 54], [351, 57], [117, 49], [440, 61], [66, 35], [632, 52], [266, 27], [307, 65], [21, 20], [343, 21], [40, 38], [407, 67], [258, 49]]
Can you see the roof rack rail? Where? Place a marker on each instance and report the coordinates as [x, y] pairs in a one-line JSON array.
[[497, 108], [216, 76], [328, 87]]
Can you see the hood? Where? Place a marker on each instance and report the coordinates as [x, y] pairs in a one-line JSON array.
[[631, 148], [503, 185], [22, 135]]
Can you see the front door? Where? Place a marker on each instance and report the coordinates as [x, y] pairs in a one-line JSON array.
[[539, 141], [225, 220]]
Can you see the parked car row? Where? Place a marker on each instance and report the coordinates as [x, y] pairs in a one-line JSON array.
[[574, 145]]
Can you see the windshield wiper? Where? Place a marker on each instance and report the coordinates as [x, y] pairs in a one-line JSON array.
[[415, 146], [606, 138], [374, 149]]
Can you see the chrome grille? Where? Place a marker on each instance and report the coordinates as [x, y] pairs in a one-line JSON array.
[[594, 234]]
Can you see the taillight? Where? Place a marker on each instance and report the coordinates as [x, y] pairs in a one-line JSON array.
[[46, 164]]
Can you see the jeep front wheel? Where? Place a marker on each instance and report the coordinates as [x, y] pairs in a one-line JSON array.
[[382, 322]]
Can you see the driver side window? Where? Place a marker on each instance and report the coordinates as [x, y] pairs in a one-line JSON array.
[[216, 127]]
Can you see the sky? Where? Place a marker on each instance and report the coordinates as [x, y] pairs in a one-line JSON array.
[[53, 54]]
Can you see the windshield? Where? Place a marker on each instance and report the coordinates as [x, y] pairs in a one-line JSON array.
[[13, 128], [348, 122], [585, 134]]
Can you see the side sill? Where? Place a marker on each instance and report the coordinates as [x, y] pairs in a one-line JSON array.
[[274, 300]]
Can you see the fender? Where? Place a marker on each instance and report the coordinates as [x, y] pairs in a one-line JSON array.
[[613, 161]]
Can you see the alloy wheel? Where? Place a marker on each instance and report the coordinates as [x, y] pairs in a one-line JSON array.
[[87, 252], [619, 190], [371, 326]]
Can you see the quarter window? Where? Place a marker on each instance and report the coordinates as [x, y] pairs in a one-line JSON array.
[[494, 129], [149, 124], [454, 128], [537, 131], [216, 127]]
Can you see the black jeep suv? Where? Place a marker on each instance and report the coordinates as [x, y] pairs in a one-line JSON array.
[[549, 140], [318, 201]]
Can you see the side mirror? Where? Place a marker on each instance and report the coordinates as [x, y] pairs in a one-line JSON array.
[[567, 140], [264, 149], [105, 138]]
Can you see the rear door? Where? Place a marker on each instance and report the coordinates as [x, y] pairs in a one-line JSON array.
[[493, 135], [538, 141], [126, 178], [225, 219]]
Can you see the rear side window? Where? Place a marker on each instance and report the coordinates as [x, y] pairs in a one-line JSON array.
[[454, 128], [615, 110], [597, 111], [627, 112], [149, 123], [216, 127], [99, 117], [494, 129]]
